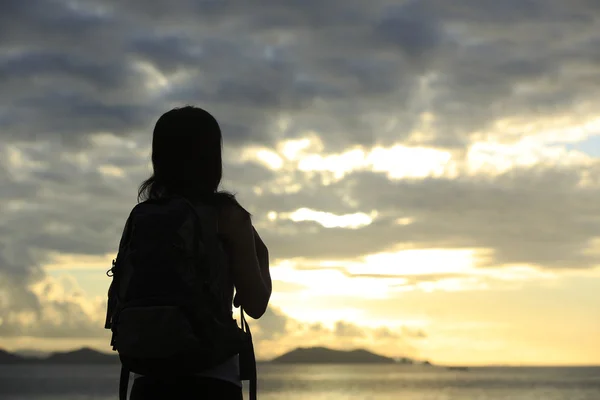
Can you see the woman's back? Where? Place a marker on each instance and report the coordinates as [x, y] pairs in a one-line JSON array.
[[187, 163]]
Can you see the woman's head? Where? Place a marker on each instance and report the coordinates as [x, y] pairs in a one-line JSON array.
[[186, 155]]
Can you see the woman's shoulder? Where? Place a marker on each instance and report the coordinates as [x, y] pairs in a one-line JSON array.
[[231, 213], [228, 204]]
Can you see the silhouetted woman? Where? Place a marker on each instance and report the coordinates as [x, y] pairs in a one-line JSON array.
[[187, 161]]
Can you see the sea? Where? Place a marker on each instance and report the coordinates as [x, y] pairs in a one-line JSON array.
[[320, 382]]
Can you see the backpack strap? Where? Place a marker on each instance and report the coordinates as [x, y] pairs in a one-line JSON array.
[[123, 383], [113, 291], [253, 372]]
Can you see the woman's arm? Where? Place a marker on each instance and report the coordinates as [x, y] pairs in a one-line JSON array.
[[252, 291], [262, 252]]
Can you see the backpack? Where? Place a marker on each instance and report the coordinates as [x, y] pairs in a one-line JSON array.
[[167, 303]]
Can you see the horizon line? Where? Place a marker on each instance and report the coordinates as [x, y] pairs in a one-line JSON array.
[[417, 362]]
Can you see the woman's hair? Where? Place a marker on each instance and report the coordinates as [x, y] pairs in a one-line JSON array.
[[186, 157]]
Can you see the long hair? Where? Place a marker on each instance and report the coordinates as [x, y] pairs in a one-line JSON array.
[[186, 157]]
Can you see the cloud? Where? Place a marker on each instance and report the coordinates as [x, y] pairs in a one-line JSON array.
[[62, 311], [344, 329], [526, 206], [337, 67], [533, 216], [451, 119]]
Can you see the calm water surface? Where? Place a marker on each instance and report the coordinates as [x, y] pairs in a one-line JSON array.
[[317, 382]]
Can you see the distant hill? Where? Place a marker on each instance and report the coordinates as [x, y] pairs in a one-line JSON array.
[[81, 356], [31, 353], [322, 355], [311, 355], [8, 358]]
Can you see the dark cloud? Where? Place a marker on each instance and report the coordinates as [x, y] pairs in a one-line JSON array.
[[538, 215], [331, 243], [331, 65], [54, 22], [516, 12], [412, 28]]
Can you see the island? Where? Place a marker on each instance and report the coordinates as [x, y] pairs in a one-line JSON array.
[[81, 356], [323, 355], [457, 368], [8, 358]]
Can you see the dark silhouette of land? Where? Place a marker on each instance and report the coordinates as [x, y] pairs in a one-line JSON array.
[[8, 358], [322, 355], [458, 368], [81, 356], [311, 355]]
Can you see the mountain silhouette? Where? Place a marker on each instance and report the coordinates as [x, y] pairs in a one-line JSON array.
[[32, 353], [81, 356], [323, 355], [8, 358], [310, 355]]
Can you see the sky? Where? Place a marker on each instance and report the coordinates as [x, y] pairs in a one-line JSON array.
[[426, 174]]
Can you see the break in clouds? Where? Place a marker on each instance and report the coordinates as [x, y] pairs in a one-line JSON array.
[[84, 81]]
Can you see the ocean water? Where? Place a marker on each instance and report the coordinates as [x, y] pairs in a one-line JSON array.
[[320, 382]]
